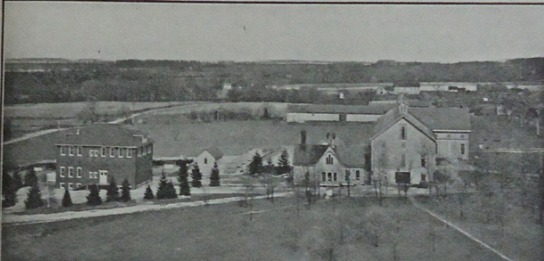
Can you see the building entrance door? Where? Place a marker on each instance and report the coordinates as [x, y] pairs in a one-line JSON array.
[[103, 177], [402, 177]]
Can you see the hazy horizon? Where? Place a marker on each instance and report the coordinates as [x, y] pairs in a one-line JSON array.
[[268, 33]]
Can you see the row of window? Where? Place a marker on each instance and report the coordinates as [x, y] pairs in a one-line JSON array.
[[329, 176], [78, 171], [62, 172], [70, 150], [112, 152], [70, 185]]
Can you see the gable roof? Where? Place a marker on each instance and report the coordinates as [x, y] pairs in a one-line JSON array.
[[104, 134], [305, 155], [427, 119], [215, 152], [393, 116], [349, 156]]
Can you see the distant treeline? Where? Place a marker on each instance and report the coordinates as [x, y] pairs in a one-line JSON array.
[[158, 80]]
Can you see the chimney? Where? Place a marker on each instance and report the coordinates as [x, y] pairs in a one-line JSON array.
[[303, 137], [333, 139]]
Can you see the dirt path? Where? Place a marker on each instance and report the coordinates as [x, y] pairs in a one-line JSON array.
[[47, 218], [460, 230]]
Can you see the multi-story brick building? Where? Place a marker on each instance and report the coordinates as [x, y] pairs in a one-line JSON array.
[[96, 153]]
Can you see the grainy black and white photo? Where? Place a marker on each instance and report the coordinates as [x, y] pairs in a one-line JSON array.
[[272, 131]]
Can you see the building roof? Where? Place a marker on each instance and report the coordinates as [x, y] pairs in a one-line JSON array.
[[394, 115], [105, 134], [427, 119], [349, 156], [448, 118], [334, 108], [215, 152]]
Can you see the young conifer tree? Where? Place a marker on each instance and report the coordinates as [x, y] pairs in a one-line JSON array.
[[94, 199], [67, 199], [196, 177], [214, 177], [125, 191], [148, 195], [34, 198], [113, 191]]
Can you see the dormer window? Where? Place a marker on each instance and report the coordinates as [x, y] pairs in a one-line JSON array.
[[205, 160]]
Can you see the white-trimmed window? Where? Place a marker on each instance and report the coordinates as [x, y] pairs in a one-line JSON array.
[[70, 186], [357, 175], [78, 185], [205, 160], [112, 152], [121, 152], [78, 150], [78, 172], [103, 151], [71, 151], [62, 151], [329, 176], [61, 185], [129, 152], [70, 172], [62, 172], [335, 176], [323, 176]]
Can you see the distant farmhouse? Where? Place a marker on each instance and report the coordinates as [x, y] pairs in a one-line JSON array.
[[345, 113], [94, 154], [407, 141]]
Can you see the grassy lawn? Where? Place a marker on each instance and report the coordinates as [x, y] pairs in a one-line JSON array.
[[510, 229], [337, 229]]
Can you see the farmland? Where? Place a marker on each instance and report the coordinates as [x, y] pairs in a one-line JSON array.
[[329, 229], [24, 118]]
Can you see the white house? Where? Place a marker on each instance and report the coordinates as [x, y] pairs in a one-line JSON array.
[[206, 160], [329, 164]]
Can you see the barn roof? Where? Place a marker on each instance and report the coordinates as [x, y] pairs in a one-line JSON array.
[[104, 134], [335, 108], [427, 119]]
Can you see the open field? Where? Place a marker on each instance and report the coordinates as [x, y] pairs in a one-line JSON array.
[[25, 118], [329, 229]]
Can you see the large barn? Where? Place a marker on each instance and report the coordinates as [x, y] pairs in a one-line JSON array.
[[343, 113]]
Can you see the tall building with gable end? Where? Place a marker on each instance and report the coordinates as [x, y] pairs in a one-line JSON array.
[[407, 141], [96, 153]]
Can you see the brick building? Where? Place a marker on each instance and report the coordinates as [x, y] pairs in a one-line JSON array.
[[96, 153]]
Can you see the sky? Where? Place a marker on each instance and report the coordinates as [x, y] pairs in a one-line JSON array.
[[245, 32]]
